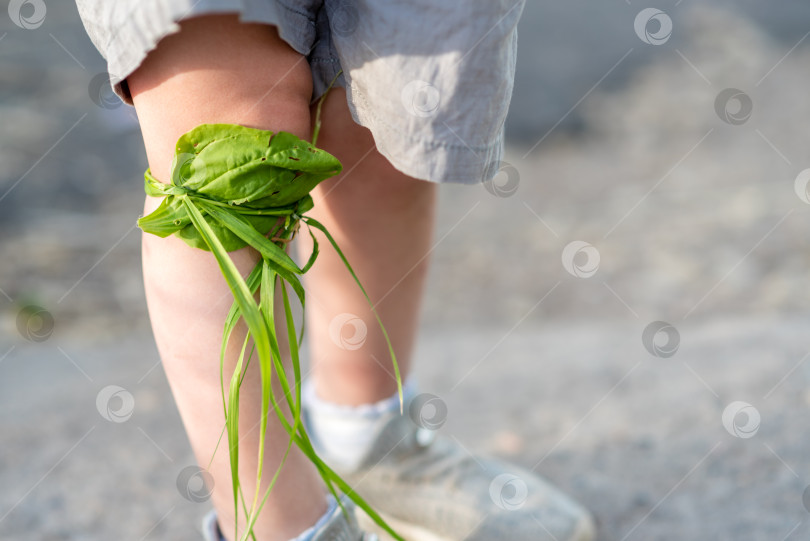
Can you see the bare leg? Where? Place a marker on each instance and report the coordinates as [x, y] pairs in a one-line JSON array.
[[218, 70], [383, 221]]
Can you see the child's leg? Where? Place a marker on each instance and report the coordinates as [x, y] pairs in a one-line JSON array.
[[383, 221], [218, 70]]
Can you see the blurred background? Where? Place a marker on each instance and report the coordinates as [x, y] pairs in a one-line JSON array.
[[624, 308]]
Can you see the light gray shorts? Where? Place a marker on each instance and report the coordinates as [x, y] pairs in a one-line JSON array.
[[431, 79]]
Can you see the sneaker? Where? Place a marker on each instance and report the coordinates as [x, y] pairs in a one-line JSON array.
[[339, 526], [210, 528], [432, 489]]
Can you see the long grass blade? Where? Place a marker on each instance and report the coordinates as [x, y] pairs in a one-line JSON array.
[[317, 225]]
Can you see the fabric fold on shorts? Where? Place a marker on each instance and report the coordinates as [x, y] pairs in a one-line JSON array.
[[431, 81]]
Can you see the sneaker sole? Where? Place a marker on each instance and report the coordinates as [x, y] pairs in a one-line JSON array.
[[586, 530]]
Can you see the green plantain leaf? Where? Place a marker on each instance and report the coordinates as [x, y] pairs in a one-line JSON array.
[[170, 217], [239, 165], [231, 187], [242, 228], [319, 226]]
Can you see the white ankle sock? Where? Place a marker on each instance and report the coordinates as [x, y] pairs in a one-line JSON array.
[[346, 433], [309, 533]]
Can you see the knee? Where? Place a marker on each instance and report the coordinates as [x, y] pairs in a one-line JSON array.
[[217, 69]]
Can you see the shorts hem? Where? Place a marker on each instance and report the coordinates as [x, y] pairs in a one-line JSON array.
[[152, 20], [448, 163]]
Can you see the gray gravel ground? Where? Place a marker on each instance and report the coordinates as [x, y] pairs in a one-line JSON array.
[[696, 222]]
